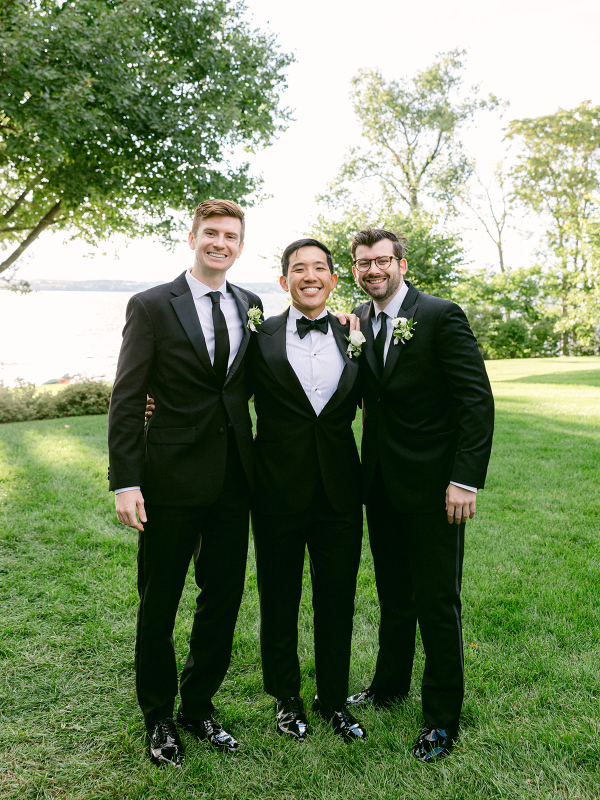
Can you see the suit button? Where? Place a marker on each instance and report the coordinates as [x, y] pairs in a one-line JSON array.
[[221, 430]]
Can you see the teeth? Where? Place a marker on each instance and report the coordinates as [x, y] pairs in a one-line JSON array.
[[310, 290], [217, 255]]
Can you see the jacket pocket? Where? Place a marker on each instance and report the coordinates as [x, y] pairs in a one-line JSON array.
[[171, 435]]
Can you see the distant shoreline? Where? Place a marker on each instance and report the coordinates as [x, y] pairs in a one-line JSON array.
[[264, 287]]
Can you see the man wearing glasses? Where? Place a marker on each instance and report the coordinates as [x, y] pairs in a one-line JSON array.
[[427, 434]]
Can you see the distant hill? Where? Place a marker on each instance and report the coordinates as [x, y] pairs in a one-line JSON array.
[[265, 287]]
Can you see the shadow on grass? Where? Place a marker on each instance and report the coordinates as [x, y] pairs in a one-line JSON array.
[[584, 377]]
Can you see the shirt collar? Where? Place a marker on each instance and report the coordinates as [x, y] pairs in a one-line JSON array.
[[393, 307], [199, 289], [295, 314]]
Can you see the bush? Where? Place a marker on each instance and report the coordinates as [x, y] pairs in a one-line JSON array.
[[26, 402]]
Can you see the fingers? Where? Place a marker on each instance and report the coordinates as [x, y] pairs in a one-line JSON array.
[[460, 504], [354, 323], [127, 504], [141, 511], [149, 407]]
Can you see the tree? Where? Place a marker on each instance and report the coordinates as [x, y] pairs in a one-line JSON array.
[[117, 115], [557, 176], [412, 128], [434, 257]]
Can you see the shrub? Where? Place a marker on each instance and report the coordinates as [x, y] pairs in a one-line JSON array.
[[24, 401]]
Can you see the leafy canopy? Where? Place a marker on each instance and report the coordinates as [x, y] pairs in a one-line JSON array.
[[411, 128], [117, 115]]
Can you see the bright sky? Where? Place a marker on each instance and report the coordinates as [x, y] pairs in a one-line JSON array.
[[537, 54]]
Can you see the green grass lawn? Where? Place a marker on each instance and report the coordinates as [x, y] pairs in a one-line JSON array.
[[70, 725]]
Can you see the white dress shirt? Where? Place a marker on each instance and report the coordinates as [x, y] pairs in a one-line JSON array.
[[392, 309], [316, 360], [203, 305], [230, 311]]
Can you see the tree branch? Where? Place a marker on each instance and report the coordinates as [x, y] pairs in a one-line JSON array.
[[44, 223], [18, 202]]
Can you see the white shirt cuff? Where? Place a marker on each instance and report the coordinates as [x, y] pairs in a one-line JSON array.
[[462, 486], [131, 488]]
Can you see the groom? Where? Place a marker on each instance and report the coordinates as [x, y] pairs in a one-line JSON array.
[[187, 340], [307, 490], [428, 416]]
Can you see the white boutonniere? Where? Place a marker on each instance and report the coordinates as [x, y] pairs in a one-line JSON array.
[[403, 329], [254, 317], [355, 343]]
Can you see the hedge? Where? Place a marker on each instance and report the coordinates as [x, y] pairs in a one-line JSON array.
[[26, 402]]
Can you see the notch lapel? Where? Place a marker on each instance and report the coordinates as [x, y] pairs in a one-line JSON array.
[[242, 304], [408, 309], [184, 307], [366, 328]]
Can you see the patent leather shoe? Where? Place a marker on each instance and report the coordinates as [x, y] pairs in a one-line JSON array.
[[342, 722], [433, 744], [291, 719], [209, 729], [368, 698], [165, 745]]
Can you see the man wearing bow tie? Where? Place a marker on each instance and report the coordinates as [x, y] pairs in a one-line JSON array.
[[188, 476], [307, 490], [428, 417]]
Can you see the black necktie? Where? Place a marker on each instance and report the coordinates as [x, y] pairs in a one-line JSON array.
[[304, 325], [221, 359], [379, 345]]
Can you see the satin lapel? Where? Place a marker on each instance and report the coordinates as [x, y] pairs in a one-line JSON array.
[[188, 316], [350, 371], [366, 328], [242, 304], [394, 350], [272, 343]]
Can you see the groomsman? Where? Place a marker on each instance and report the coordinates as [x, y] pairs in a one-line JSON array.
[[428, 416], [188, 475], [307, 490]]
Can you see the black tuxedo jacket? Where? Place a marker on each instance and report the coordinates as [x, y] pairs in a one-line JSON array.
[[430, 418], [292, 443], [179, 458]]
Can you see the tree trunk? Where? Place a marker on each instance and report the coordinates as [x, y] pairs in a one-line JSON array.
[[44, 223]]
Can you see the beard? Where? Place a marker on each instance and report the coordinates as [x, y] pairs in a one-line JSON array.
[[385, 290]]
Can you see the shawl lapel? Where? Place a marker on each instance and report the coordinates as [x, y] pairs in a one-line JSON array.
[[350, 371]]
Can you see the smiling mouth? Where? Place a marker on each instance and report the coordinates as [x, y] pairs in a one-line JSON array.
[[376, 281], [311, 289], [217, 255]]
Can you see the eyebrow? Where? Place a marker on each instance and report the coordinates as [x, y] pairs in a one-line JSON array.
[[303, 263]]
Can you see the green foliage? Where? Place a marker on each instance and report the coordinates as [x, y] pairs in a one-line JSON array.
[[557, 176], [434, 257], [509, 312], [412, 129], [26, 402], [117, 115]]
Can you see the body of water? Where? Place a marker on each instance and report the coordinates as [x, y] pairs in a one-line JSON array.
[[46, 334]]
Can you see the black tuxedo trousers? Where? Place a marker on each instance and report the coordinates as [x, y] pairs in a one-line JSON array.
[[418, 560], [333, 540], [215, 536]]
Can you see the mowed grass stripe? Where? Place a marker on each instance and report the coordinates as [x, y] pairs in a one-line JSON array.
[[70, 723]]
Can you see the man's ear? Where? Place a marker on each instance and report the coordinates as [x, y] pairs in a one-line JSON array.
[[191, 242], [240, 250], [403, 266], [283, 283]]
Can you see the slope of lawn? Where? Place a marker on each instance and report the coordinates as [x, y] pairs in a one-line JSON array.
[[531, 725]]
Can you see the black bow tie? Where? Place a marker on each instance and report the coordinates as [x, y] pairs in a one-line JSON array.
[[304, 325]]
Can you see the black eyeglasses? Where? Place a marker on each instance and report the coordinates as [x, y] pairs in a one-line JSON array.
[[383, 262]]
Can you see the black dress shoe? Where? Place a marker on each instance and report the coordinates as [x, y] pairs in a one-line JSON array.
[[165, 744], [433, 744], [209, 729], [369, 698], [342, 722], [291, 719]]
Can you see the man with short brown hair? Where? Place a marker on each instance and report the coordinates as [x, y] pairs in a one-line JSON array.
[[188, 475], [428, 418]]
